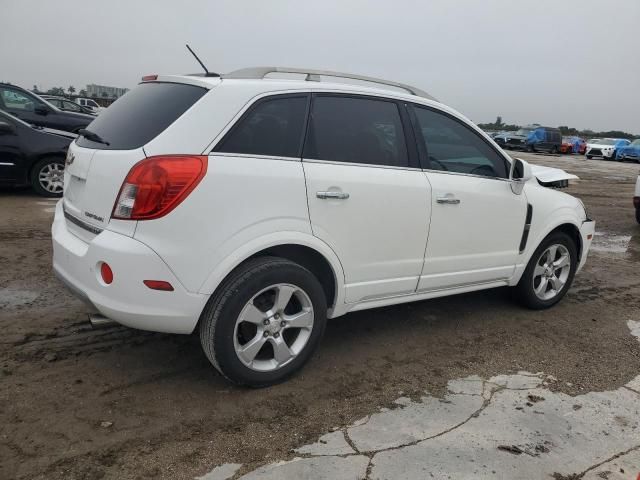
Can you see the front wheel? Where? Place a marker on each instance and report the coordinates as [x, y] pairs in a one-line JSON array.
[[264, 322], [549, 273], [47, 177]]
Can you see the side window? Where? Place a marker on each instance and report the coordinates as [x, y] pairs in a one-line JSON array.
[[356, 130], [72, 107], [273, 127], [454, 147]]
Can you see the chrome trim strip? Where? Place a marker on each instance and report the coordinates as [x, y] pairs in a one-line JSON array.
[[353, 164], [7, 164], [250, 155], [427, 170], [81, 223]]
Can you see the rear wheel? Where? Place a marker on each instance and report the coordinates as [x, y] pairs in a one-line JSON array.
[[589, 157], [47, 177], [549, 273], [554, 150], [264, 322]]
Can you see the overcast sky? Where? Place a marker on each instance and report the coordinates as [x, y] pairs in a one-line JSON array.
[[555, 62]]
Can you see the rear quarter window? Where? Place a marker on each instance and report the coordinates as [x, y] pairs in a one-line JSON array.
[[141, 115]]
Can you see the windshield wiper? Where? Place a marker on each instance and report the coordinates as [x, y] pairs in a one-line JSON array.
[[94, 137]]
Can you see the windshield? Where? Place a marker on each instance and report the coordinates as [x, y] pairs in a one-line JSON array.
[[636, 142], [141, 115], [606, 141], [524, 131]]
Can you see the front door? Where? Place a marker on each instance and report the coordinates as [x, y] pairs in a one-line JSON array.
[[477, 221], [367, 201]]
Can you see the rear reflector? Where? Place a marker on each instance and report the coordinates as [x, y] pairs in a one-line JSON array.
[[149, 78], [157, 185], [106, 273], [158, 285]]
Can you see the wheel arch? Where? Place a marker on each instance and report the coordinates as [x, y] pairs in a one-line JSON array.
[[300, 248]]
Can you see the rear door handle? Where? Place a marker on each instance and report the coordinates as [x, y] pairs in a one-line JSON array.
[[448, 200], [332, 194]]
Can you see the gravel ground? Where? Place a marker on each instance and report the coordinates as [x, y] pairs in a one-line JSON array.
[[120, 403]]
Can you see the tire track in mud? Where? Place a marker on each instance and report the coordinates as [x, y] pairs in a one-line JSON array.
[[76, 340]]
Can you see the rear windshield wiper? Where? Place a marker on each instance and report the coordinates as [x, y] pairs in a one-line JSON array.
[[94, 137]]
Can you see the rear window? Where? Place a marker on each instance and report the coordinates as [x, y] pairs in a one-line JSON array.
[[141, 115]]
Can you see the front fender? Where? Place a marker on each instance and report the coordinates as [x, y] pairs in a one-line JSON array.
[[274, 239], [561, 216]]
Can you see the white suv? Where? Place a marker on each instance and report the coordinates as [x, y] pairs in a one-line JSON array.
[[254, 208]]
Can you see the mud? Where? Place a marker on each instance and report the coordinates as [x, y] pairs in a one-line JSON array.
[[120, 403]]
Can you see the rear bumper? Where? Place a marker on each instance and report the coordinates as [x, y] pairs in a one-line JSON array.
[[127, 300], [587, 230]]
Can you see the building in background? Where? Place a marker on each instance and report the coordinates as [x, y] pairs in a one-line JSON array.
[[103, 91]]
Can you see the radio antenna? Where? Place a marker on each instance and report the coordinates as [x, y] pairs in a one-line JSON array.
[[207, 73]]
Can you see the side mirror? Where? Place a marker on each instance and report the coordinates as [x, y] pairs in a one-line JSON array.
[[41, 110], [6, 128], [519, 175]]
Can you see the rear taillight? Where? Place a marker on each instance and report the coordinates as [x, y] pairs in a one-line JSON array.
[[157, 185]]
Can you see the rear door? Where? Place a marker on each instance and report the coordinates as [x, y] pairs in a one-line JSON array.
[[368, 200], [477, 221], [11, 155]]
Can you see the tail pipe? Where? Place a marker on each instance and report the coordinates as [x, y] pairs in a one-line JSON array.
[[100, 321]]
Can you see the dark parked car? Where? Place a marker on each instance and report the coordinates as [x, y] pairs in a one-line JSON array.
[[67, 105], [31, 155], [544, 138], [32, 109]]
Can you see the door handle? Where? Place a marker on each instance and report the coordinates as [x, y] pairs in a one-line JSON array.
[[332, 194], [448, 200]]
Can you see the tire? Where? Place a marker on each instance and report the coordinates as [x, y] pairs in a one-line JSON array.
[[533, 277], [47, 177], [589, 157], [554, 150], [638, 215], [251, 292], [530, 149]]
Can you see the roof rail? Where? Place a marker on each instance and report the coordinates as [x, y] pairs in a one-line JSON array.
[[314, 75]]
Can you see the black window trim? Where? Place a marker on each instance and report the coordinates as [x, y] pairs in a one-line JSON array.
[[423, 148], [412, 153], [214, 150]]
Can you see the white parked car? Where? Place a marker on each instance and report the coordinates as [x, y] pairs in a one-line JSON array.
[[604, 147], [90, 104], [255, 208]]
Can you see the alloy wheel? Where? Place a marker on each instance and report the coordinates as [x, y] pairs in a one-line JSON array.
[[551, 272], [273, 327], [51, 177]]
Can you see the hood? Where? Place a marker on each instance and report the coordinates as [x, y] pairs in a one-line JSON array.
[[552, 177], [60, 133], [77, 116]]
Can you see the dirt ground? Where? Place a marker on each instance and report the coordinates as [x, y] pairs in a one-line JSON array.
[[119, 403]]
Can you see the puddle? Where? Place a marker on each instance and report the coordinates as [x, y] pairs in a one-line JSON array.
[[618, 178], [610, 243], [10, 298]]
